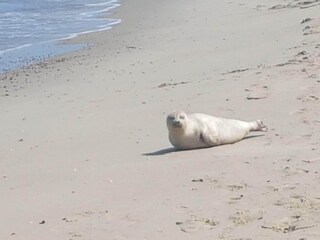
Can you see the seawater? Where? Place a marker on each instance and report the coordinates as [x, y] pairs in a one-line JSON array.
[[32, 29]]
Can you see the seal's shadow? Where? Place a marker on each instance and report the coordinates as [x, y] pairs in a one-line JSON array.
[[171, 150], [253, 136], [161, 152]]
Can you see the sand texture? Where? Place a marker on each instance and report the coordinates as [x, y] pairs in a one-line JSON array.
[[84, 148]]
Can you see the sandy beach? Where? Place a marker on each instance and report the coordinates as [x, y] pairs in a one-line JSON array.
[[84, 146]]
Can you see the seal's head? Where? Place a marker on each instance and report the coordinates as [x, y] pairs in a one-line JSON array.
[[176, 120]]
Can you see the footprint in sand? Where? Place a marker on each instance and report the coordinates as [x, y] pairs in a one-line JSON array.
[[283, 187], [293, 171], [312, 27], [218, 184], [77, 236], [307, 98], [196, 224], [299, 205], [69, 220], [288, 224], [256, 92], [84, 215], [246, 216], [296, 4], [207, 180], [237, 187], [303, 214], [278, 6]]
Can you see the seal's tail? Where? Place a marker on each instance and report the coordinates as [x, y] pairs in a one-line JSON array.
[[259, 126]]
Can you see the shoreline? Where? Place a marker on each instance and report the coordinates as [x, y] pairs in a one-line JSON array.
[[84, 146], [27, 54]]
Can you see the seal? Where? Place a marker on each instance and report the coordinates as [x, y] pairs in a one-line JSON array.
[[198, 130]]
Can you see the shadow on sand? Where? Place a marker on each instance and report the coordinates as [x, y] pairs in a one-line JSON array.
[[170, 150], [160, 152], [253, 136]]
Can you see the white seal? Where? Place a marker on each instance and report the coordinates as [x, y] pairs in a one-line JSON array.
[[198, 130]]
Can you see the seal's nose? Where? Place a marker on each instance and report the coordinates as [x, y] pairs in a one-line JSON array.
[[176, 123]]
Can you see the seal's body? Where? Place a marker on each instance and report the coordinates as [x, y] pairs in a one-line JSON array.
[[198, 130]]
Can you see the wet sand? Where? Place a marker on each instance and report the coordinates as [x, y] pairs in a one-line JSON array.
[[84, 146]]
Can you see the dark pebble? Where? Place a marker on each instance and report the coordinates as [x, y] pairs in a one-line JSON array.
[[197, 180]]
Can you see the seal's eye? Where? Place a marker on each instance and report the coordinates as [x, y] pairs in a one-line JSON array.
[[181, 116], [171, 118]]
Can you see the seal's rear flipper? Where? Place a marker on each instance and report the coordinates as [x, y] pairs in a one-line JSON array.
[[260, 126]]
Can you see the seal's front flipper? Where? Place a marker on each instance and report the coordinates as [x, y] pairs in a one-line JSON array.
[[209, 139]]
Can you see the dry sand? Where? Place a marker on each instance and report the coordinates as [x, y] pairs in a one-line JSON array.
[[84, 147]]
